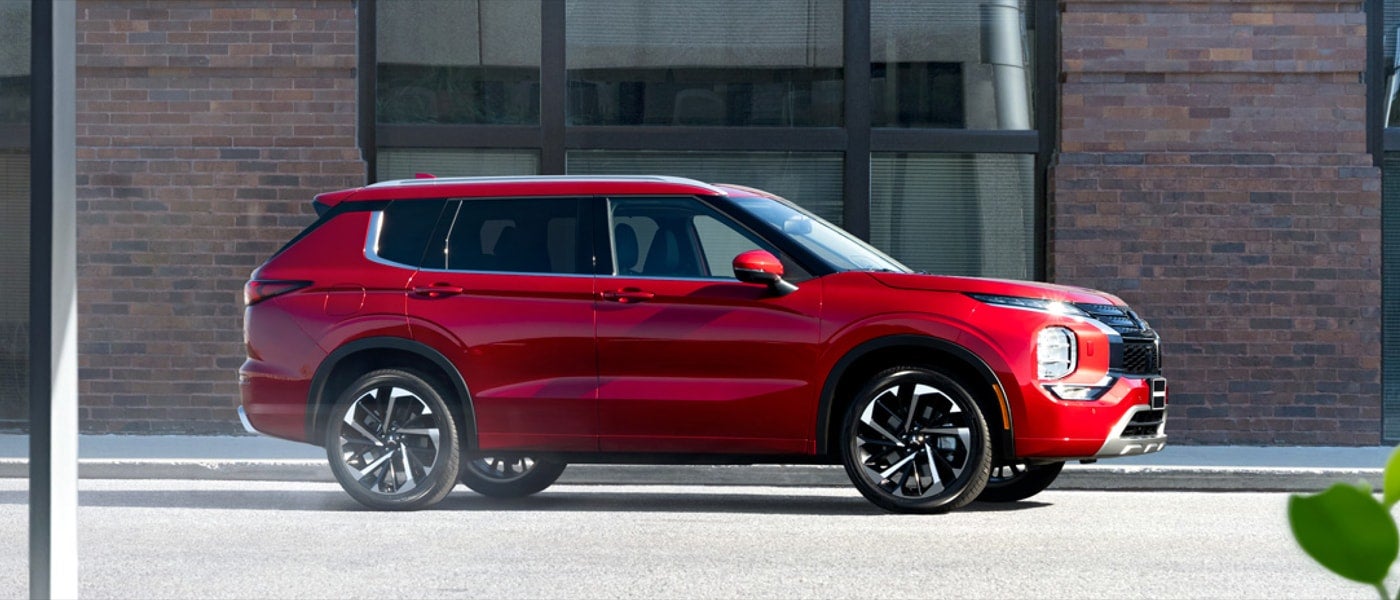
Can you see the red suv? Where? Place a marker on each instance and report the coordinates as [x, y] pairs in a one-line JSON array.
[[493, 330]]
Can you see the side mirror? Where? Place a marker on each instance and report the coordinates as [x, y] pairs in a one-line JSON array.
[[760, 266]]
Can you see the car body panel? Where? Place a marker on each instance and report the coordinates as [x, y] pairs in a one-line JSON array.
[[629, 365], [706, 364]]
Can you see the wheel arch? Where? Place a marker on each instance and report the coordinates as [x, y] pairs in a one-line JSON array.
[[346, 363], [870, 357]]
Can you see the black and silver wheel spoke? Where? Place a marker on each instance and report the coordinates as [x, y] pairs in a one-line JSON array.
[[913, 439], [502, 469], [389, 439]]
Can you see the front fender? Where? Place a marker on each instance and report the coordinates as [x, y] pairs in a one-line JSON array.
[[926, 331]]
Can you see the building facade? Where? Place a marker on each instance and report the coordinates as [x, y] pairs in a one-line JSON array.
[[1219, 165]]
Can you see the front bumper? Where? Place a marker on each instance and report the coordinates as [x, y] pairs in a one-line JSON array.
[[1140, 431], [1130, 419]]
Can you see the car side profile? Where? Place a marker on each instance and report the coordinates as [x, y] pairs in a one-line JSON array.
[[494, 330]]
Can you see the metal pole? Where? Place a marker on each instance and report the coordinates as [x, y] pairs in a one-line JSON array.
[[1003, 48], [53, 316]]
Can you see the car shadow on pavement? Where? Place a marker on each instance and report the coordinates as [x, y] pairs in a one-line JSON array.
[[549, 501]]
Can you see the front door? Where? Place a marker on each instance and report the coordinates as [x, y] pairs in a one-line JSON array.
[[690, 359]]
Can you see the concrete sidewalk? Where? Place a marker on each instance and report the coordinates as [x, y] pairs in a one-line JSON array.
[[1223, 468]]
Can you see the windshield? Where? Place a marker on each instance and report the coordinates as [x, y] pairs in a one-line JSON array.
[[842, 250]]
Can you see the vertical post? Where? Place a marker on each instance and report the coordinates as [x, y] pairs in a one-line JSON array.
[[856, 55], [1002, 22], [553, 86], [369, 82], [53, 306]]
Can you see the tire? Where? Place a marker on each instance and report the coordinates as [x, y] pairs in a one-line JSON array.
[[392, 441], [509, 477], [1017, 481], [915, 441]]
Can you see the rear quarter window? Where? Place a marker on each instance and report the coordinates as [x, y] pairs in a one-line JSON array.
[[407, 230]]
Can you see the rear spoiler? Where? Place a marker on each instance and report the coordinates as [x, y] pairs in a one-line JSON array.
[[324, 202]]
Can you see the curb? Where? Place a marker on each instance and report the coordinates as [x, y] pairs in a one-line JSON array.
[[1074, 477]]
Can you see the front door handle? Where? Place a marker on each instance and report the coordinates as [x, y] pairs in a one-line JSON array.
[[438, 290], [627, 296]]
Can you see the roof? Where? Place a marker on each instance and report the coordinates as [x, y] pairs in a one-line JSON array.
[[536, 186]]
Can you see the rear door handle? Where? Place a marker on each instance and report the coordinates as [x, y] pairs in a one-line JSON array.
[[627, 296], [438, 290]]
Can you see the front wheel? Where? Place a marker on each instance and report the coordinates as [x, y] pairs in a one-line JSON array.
[[392, 441], [1017, 481], [509, 477], [915, 441]]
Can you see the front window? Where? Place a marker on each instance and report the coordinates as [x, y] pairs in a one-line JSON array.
[[676, 237], [841, 250]]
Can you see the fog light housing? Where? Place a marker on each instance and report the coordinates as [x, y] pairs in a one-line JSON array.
[[1055, 354], [1080, 391]]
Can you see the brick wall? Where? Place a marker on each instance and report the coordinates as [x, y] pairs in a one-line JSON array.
[[1213, 170], [204, 129]]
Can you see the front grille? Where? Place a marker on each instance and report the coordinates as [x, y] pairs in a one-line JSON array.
[[1140, 357], [1119, 318], [1145, 423]]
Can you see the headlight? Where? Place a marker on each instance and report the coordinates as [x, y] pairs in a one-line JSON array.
[[1055, 352], [1054, 307]]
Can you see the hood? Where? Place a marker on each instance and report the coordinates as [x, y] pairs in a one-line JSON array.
[[1000, 287]]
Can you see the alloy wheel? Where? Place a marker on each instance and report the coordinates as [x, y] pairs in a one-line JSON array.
[[502, 469], [913, 440], [390, 440]]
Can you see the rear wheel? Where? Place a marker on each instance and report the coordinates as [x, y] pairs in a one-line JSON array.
[[1017, 481], [392, 441], [915, 441], [509, 477]]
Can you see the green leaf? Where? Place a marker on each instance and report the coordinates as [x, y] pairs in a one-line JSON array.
[[1392, 479], [1346, 530]]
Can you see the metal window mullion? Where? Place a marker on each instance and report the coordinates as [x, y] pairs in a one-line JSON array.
[[1047, 121], [369, 84], [856, 58], [957, 141], [553, 86], [677, 139]]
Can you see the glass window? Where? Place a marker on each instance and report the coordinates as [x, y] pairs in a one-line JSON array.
[[519, 236], [811, 179], [404, 163], [721, 62], [832, 244], [676, 237], [1390, 294], [14, 63], [458, 61], [960, 64], [14, 213], [956, 214], [406, 229]]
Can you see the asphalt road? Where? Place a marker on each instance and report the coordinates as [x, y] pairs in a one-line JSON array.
[[229, 539]]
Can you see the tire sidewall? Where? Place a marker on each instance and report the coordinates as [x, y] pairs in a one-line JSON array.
[[446, 464], [964, 489], [1029, 483], [539, 477]]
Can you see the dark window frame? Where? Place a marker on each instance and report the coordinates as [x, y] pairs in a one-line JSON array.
[[856, 139]]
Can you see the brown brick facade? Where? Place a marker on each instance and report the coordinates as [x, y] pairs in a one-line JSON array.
[[204, 129], [1213, 169]]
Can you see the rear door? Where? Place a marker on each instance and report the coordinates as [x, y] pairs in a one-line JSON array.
[[510, 292], [689, 358]]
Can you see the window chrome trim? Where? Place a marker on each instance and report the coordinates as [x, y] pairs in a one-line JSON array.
[[376, 224]]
